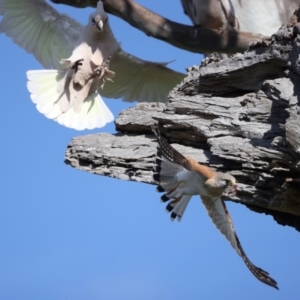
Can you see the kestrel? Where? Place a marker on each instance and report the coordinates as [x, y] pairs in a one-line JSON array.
[[182, 177]]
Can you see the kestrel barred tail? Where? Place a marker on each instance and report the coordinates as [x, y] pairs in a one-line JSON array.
[[182, 177]]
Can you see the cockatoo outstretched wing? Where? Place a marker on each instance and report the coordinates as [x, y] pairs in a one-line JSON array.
[[140, 80], [40, 29]]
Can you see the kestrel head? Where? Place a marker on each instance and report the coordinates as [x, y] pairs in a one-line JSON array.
[[225, 180]]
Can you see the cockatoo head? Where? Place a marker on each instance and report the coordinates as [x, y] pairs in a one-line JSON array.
[[99, 18]]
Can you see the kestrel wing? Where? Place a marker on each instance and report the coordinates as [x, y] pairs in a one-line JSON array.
[[167, 150], [175, 157], [218, 212]]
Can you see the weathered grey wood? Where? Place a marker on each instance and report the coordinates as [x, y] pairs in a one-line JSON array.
[[120, 156], [239, 115]]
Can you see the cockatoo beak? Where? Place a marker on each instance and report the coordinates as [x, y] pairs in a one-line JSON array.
[[100, 25]]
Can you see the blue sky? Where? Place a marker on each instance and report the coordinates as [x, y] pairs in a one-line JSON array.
[[67, 234]]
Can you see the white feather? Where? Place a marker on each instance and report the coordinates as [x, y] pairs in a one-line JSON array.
[[39, 29], [43, 86], [180, 206]]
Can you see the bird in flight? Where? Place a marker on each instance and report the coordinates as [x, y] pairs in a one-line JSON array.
[[82, 63], [181, 177]]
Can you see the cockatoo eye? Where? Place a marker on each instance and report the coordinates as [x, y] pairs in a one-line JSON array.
[[93, 22]]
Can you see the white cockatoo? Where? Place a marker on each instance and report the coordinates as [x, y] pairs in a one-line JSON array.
[[213, 14], [256, 16], [81, 62], [264, 17]]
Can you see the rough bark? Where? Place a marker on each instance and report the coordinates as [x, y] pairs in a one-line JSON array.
[[193, 39], [239, 115]]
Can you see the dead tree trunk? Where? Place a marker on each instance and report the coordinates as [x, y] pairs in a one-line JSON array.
[[239, 115]]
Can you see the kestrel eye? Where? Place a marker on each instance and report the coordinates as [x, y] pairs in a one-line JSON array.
[[93, 22], [228, 182], [106, 20]]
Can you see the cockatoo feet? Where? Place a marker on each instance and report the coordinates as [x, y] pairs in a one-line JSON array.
[[103, 73], [100, 70]]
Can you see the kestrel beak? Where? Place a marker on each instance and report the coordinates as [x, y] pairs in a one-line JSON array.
[[234, 185]]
